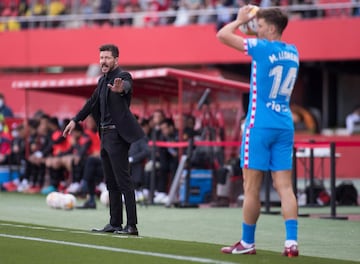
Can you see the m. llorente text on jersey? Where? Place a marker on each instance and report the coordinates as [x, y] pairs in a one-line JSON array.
[[284, 55]]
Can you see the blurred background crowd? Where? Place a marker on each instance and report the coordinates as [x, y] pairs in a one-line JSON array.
[[23, 14], [42, 160]]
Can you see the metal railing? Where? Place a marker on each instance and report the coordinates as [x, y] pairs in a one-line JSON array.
[[164, 17]]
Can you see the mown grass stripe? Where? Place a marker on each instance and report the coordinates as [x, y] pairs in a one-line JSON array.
[[121, 250]]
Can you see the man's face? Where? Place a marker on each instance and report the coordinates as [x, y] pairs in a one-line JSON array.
[[263, 29], [165, 129], [157, 118], [107, 61]]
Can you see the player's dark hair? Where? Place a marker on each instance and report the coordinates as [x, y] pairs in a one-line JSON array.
[[110, 47], [274, 16]]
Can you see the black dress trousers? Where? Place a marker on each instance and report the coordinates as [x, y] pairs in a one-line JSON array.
[[114, 155]]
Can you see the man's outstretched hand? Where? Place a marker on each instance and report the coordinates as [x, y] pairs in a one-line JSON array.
[[69, 128], [118, 86]]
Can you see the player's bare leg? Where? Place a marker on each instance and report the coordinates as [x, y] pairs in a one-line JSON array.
[[283, 184], [251, 212]]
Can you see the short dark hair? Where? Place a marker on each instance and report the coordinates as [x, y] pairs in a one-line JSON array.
[[169, 122], [274, 16], [54, 120], [45, 116], [33, 123], [78, 127], [144, 122], [110, 47]]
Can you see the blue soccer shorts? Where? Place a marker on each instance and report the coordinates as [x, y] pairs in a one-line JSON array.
[[267, 149]]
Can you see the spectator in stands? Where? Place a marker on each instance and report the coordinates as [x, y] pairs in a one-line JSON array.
[[125, 6], [172, 6], [336, 12], [87, 9], [11, 24], [18, 151], [72, 162], [145, 124], [38, 114], [39, 150], [105, 7], [90, 153], [211, 128], [26, 179], [223, 12], [189, 130], [137, 18], [193, 5], [5, 143], [206, 5], [23, 8], [5, 110], [18, 145], [353, 121], [5, 151], [139, 153], [157, 117], [309, 13], [168, 160], [91, 130], [182, 16], [93, 171], [154, 135], [152, 18], [58, 144], [54, 9], [93, 175], [15, 157], [265, 3], [38, 8], [356, 11]]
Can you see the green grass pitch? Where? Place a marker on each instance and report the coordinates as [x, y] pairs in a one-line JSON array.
[[31, 232]]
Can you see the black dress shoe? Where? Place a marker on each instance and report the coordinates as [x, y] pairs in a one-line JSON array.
[[128, 230], [87, 205], [107, 229]]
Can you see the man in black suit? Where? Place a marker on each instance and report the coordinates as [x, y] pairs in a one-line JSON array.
[[109, 104]]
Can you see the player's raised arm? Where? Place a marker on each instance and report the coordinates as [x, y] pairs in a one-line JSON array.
[[227, 34]]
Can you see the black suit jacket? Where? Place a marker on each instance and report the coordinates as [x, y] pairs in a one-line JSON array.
[[118, 103]]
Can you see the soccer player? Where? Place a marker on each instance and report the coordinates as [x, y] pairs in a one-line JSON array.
[[267, 143]]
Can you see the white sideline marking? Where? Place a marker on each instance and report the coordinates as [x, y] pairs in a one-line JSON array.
[[65, 230], [122, 250]]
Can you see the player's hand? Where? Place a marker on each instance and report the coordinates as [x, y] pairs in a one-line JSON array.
[[69, 128], [118, 86], [243, 14]]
